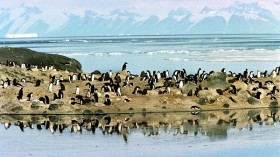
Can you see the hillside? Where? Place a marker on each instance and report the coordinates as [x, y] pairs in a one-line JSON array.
[[26, 56]]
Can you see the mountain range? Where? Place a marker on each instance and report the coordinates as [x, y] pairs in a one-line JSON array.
[[239, 18]]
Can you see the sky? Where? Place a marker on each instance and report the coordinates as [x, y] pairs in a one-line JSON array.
[[143, 7]]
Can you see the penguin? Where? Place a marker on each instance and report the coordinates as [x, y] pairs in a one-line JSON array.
[[92, 77], [258, 95], [57, 82], [79, 76], [16, 84], [50, 87], [84, 77], [8, 81], [70, 78], [124, 66], [273, 74], [107, 120], [74, 77], [20, 94], [55, 96], [21, 126], [167, 90], [136, 89], [233, 90], [23, 80], [61, 79], [118, 90], [60, 94], [7, 125], [5, 84], [118, 78], [42, 99], [181, 84], [29, 96], [246, 74], [95, 96], [47, 99], [107, 101], [38, 83], [258, 74], [77, 91], [62, 87]]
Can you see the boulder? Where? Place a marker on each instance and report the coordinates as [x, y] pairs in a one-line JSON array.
[[252, 100], [217, 80], [189, 86]]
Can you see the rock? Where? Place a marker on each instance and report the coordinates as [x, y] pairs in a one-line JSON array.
[[217, 80], [189, 86], [243, 95], [97, 72], [99, 112], [53, 107], [252, 100], [210, 95], [240, 85], [17, 109], [87, 112], [226, 105], [207, 93], [203, 101], [274, 104], [26, 56]]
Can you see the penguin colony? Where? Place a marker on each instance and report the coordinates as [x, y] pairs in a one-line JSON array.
[[105, 88]]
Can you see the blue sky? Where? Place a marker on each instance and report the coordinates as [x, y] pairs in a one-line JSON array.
[[143, 7]]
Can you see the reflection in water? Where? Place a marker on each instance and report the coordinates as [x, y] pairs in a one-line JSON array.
[[214, 124]]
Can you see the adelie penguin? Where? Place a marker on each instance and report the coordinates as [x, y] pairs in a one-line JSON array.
[[107, 101], [20, 94], [77, 91], [29, 96], [124, 66]]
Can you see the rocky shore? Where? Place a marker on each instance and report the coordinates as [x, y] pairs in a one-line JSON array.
[[218, 91]]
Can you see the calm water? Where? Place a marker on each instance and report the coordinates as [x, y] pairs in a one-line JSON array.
[[228, 133], [209, 52]]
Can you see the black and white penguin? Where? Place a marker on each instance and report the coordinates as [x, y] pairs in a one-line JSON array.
[[60, 94], [107, 100], [43, 100], [95, 96], [124, 66], [77, 90], [74, 77], [180, 84], [15, 83], [70, 78], [118, 90], [47, 99], [136, 90], [92, 77], [50, 87], [233, 89], [29, 96], [23, 80], [20, 94], [38, 83], [258, 95], [62, 87], [118, 78]]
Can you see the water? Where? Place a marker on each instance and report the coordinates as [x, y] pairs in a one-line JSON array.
[[209, 52], [245, 133]]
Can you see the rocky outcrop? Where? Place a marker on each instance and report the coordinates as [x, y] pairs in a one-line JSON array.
[[26, 56]]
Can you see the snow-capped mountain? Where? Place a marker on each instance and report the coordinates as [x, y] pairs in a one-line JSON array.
[[238, 18]]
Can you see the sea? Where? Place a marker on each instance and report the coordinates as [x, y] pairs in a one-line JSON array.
[[244, 136], [163, 52]]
